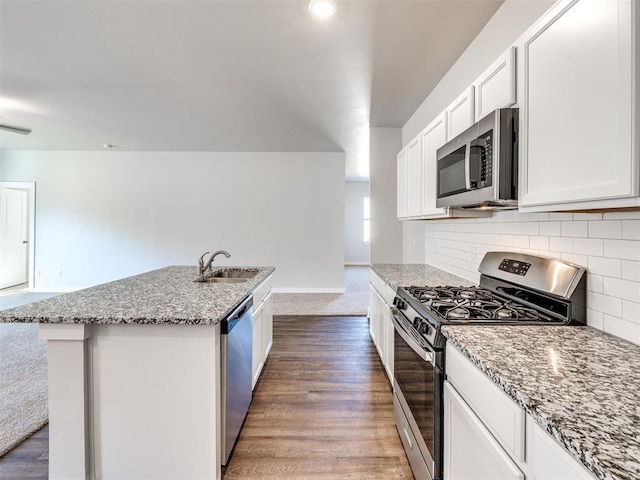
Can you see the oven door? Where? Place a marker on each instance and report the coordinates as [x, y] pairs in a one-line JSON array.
[[418, 383]]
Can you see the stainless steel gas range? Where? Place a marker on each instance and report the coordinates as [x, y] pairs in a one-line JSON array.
[[515, 289]]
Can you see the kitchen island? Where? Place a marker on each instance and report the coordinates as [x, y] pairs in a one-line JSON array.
[[134, 374]]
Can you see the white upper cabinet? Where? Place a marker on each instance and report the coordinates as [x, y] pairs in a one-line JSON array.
[[433, 137], [414, 153], [402, 186], [496, 87], [461, 113], [577, 88]]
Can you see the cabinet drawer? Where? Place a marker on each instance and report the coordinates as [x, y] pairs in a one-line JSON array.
[[377, 282], [501, 415], [262, 290]]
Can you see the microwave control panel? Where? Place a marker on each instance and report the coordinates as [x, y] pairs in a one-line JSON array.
[[482, 161]]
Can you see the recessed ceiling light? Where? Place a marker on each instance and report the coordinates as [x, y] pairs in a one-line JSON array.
[[323, 8]]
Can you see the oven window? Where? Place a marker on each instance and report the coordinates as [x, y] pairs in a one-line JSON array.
[[416, 379], [451, 177]]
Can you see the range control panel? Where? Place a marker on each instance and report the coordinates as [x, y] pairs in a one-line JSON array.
[[514, 266]]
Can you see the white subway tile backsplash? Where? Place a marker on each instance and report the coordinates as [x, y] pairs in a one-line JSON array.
[[631, 311], [608, 245], [588, 246], [624, 249], [580, 260], [595, 319], [616, 287], [626, 215], [554, 217], [610, 267], [539, 243], [587, 216], [561, 244], [605, 229], [595, 283], [574, 229], [631, 230], [631, 271], [622, 328], [552, 229]]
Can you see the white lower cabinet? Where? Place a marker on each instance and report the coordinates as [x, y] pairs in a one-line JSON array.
[[262, 329], [256, 350], [470, 451], [488, 436], [548, 460], [380, 324]]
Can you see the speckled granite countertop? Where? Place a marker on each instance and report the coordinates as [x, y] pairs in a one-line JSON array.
[[404, 275], [580, 384], [165, 296]]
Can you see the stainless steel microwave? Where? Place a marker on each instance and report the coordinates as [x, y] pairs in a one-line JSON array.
[[479, 168]]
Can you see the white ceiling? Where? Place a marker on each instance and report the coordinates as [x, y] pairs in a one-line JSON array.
[[235, 75]]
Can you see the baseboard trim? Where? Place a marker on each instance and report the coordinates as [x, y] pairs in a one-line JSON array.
[[307, 290], [56, 290], [357, 264]]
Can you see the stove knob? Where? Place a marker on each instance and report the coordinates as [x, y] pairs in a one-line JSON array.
[[401, 304], [424, 329]]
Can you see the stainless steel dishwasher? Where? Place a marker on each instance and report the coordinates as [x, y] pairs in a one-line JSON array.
[[236, 340]]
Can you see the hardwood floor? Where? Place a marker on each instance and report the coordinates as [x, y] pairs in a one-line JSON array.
[[322, 410], [29, 460]]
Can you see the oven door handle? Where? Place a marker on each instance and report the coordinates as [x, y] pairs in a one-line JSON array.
[[415, 346]]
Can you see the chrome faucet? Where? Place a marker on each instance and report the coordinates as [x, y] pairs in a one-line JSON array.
[[203, 267]]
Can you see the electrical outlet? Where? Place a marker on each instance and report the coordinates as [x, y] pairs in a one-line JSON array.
[[39, 273], [60, 273]]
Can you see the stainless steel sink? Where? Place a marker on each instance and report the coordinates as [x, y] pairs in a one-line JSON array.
[[229, 275], [234, 274]]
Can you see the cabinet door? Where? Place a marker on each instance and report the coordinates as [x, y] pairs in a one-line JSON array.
[[414, 176], [267, 326], [550, 461], [496, 87], [433, 137], [388, 339], [373, 313], [256, 350], [460, 114], [402, 188], [577, 106], [470, 452]]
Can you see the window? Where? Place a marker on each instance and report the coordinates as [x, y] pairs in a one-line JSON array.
[[366, 235]]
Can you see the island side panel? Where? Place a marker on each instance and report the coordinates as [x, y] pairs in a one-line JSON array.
[[156, 401], [68, 371]]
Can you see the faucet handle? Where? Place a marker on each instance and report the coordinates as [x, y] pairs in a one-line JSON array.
[[202, 258]]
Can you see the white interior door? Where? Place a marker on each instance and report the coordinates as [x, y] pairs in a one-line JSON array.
[[14, 217]]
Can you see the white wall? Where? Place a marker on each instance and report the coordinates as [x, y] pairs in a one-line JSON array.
[[106, 215], [386, 229], [355, 251]]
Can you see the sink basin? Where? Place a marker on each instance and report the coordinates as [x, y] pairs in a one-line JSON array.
[[230, 275], [234, 274]]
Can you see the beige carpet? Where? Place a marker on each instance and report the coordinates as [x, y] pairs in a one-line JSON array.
[[23, 375], [354, 302]]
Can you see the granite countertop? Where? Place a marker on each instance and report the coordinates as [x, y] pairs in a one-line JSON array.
[[404, 275], [580, 384], [165, 296]]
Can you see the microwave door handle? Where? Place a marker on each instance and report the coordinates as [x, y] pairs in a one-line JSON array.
[[467, 166]]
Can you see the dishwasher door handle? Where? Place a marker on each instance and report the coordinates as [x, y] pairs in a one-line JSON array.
[[234, 317]]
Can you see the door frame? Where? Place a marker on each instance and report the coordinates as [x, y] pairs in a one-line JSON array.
[[30, 187]]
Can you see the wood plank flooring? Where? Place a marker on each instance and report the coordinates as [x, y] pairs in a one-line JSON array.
[[29, 460], [322, 410]]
